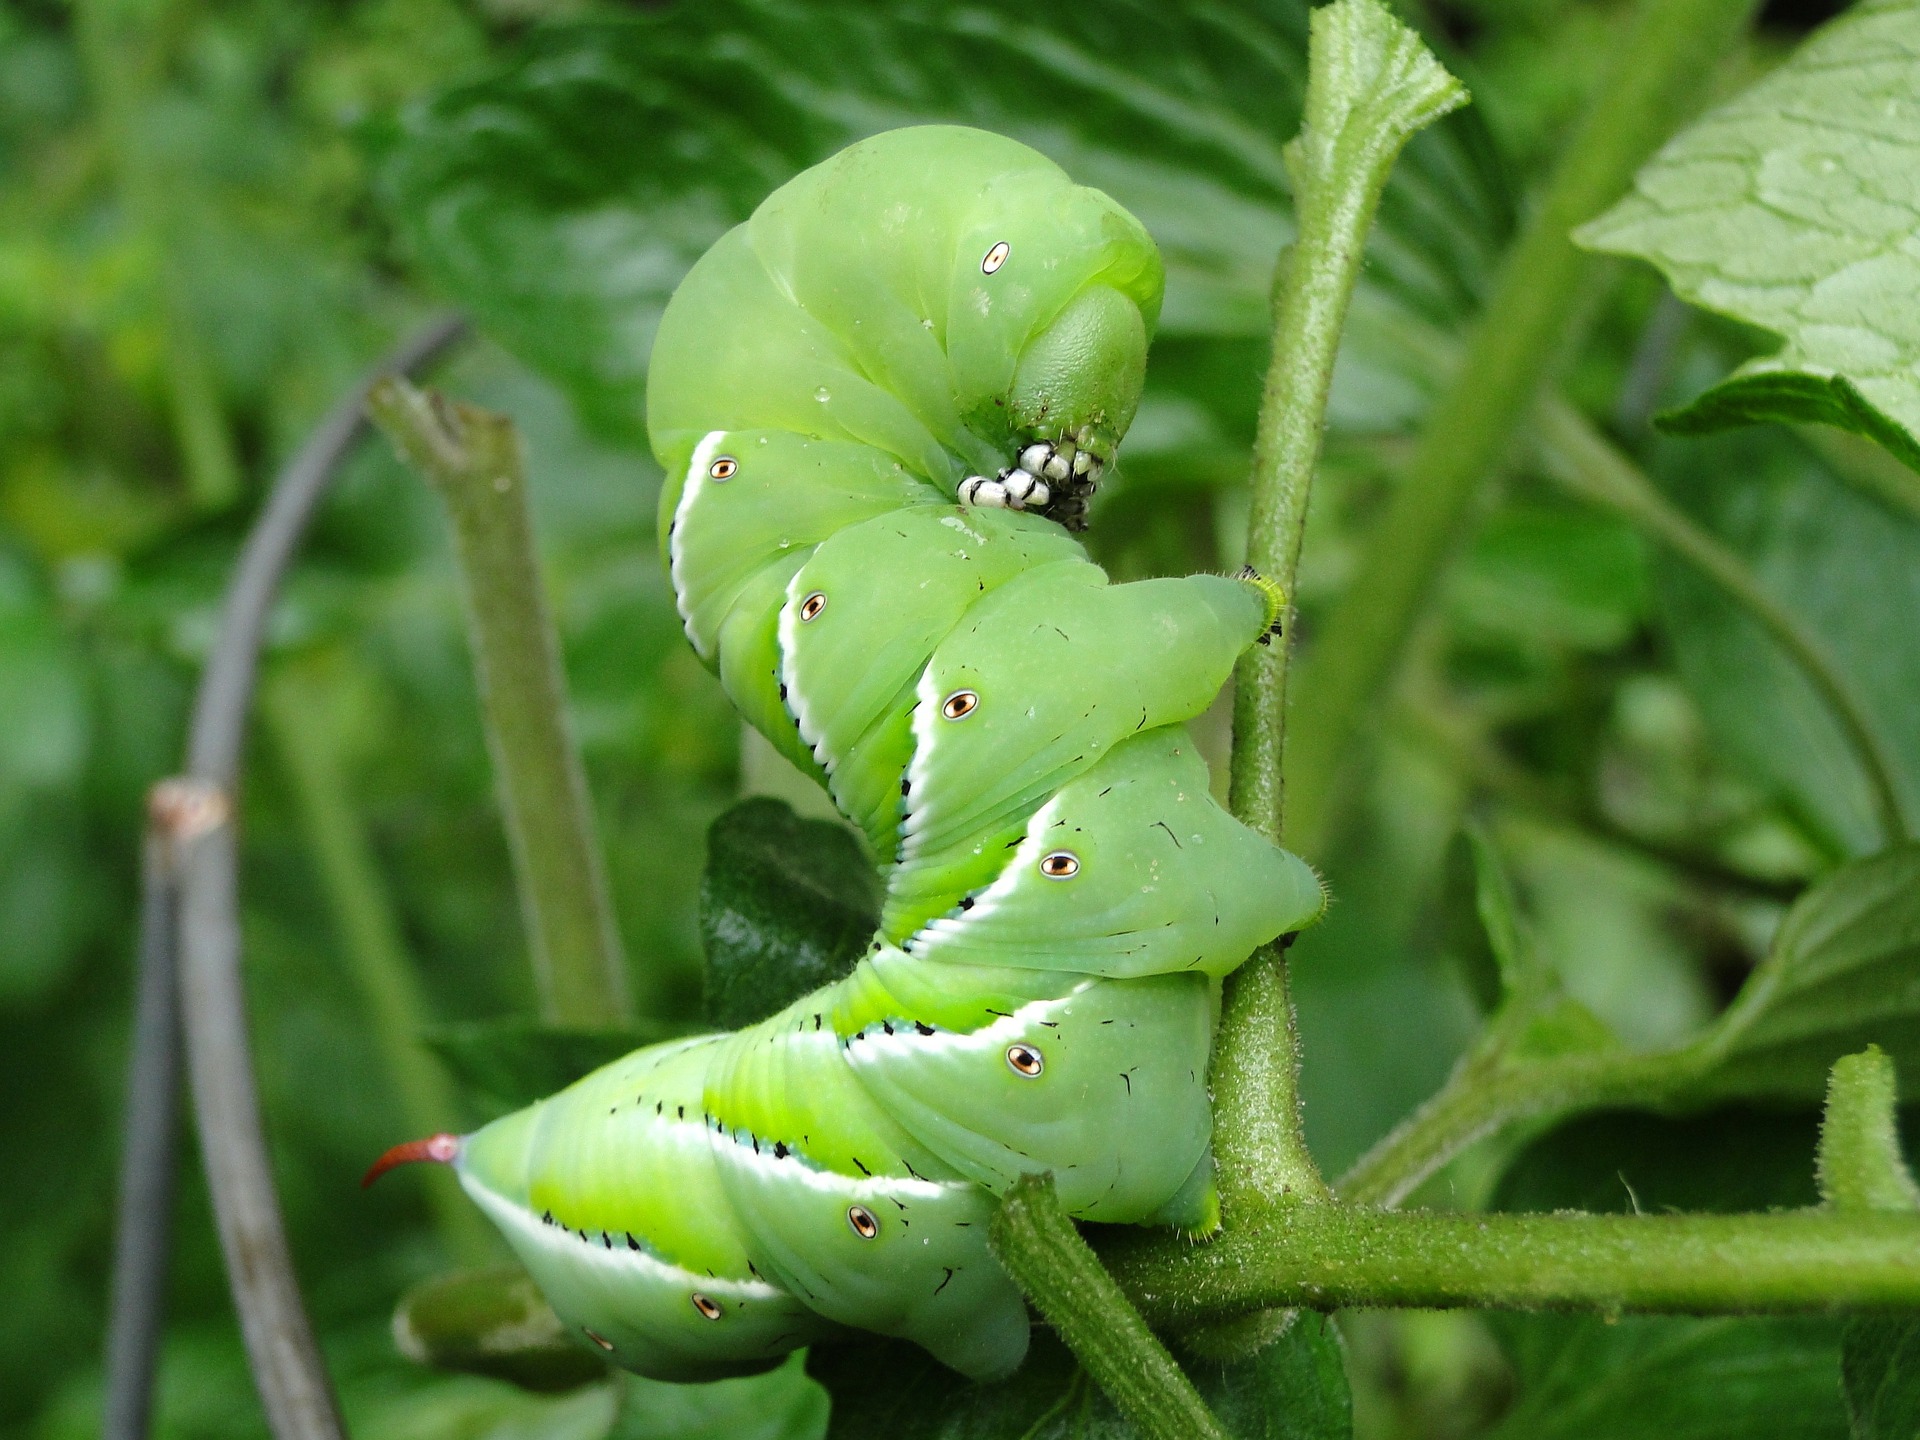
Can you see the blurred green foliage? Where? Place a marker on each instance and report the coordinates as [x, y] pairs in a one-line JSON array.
[[212, 215]]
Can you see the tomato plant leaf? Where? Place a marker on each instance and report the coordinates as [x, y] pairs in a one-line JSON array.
[[492, 1322], [1669, 1378], [561, 199], [1880, 1377], [1295, 1389], [783, 1404], [786, 905], [1794, 206], [1849, 567], [1844, 972]]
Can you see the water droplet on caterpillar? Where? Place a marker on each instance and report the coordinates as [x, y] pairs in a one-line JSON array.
[[823, 395]]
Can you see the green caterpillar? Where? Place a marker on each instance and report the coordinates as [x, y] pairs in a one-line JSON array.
[[882, 404]]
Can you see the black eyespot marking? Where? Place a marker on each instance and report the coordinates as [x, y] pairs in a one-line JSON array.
[[1025, 1061], [723, 469], [811, 607], [708, 1307], [1060, 865], [960, 704], [862, 1221]]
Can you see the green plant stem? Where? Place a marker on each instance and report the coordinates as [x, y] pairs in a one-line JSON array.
[[1325, 1256], [1580, 458], [370, 937], [1037, 1242], [1489, 1091], [1655, 79], [1371, 85], [472, 459]]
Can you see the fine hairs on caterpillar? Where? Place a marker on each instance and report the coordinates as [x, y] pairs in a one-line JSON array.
[[882, 404]]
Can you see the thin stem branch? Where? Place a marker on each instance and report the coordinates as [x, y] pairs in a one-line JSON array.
[[280, 1348], [1581, 459], [1371, 85], [1654, 80], [143, 1229], [1488, 1091], [221, 704], [473, 460], [1325, 1256], [370, 939], [1037, 1242]]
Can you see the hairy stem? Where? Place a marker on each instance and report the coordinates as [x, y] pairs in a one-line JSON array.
[[1371, 85], [1488, 1092], [1324, 1256], [370, 937], [472, 458], [1037, 1242], [1580, 458], [1654, 81]]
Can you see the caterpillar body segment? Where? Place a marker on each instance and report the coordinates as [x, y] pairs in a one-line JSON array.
[[611, 1196], [882, 404]]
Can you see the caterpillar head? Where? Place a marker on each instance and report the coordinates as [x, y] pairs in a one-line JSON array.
[[1074, 393]]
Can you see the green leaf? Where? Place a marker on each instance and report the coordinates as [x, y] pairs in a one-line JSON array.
[[1849, 567], [1552, 577], [1794, 207], [1295, 1389], [1669, 1379], [1725, 1161], [1499, 911], [511, 1063], [783, 1404], [453, 1407], [492, 1322], [1591, 1378], [1880, 1377], [786, 906], [560, 200], [1844, 972]]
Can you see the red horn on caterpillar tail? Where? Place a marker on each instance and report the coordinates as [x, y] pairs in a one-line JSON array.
[[440, 1149]]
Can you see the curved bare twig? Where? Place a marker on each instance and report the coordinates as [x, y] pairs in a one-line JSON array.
[[190, 921]]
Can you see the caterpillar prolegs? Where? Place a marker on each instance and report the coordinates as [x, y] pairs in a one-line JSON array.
[[882, 403]]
